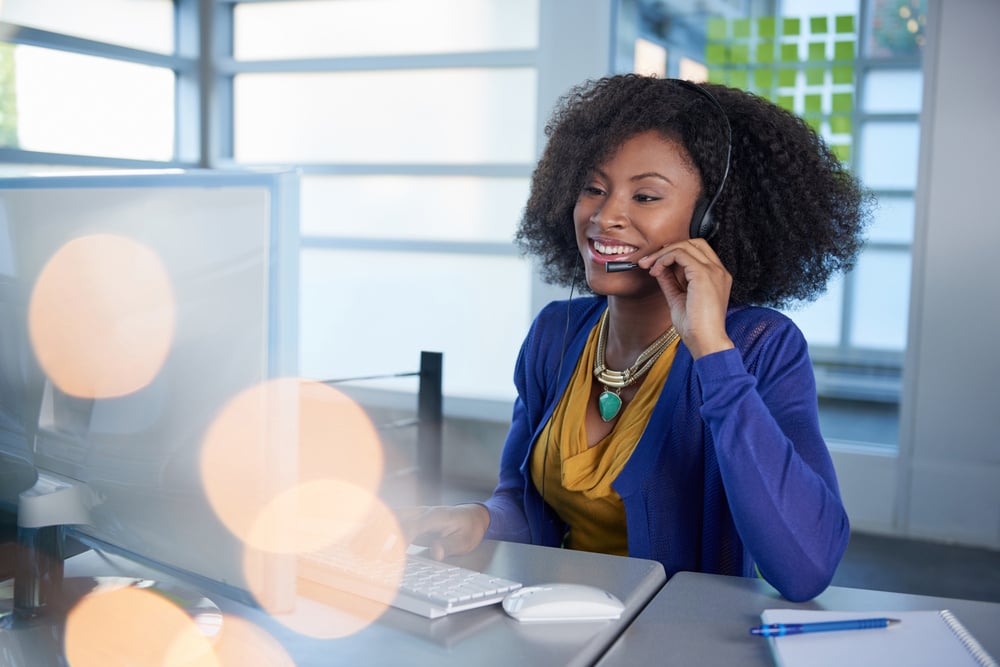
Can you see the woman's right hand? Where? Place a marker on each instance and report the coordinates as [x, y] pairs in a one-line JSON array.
[[447, 530]]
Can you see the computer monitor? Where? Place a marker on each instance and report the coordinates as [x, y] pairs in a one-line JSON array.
[[17, 473], [226, 247]]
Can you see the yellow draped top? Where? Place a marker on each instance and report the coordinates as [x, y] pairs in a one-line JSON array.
[[577, 479]]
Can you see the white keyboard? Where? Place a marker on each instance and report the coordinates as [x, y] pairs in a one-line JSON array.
[[429, 587]]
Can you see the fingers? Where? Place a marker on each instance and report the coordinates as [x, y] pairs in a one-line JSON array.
[[445, 530], [451, 544], [696, 286], [687, 253], [686, 262], [418, 521]]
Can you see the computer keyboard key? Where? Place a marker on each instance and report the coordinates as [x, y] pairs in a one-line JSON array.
[[425, 586]]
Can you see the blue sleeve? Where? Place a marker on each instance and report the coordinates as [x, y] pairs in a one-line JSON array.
[[558, 333], [508, 520], [775, 466]]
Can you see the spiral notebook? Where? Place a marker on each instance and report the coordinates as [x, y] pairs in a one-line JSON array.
[[931, 638]]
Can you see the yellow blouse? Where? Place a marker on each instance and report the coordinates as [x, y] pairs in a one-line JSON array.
[[577, 479]]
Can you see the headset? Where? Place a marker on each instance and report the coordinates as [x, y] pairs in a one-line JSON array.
[[703, 225]]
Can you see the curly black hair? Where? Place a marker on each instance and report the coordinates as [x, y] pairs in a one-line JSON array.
[[789, 216]]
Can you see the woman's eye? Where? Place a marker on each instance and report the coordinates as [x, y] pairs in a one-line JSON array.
[[646, 198], [593, 190]]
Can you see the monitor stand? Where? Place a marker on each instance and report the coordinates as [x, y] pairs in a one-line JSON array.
[[35, 603]]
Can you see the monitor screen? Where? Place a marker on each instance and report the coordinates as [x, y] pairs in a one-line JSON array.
[[197, 277]]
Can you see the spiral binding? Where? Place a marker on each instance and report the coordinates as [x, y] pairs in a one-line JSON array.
[[976, 649]]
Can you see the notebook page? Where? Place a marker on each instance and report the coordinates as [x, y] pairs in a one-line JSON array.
[[923, 638]]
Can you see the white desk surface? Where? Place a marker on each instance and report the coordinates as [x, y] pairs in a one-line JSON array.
[[480, 637], [704, 619]]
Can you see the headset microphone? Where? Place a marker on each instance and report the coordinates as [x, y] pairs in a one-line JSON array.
[[617, 267]]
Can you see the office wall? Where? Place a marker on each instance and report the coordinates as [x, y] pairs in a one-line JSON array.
[[949, 466]]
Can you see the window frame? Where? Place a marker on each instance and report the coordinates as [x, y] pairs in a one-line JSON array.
[[184, 63]]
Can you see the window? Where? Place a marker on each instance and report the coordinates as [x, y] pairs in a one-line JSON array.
[[93, 84], [414, 124], [852, 70]]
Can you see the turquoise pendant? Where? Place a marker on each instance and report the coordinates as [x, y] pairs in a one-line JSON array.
[[608, 404]]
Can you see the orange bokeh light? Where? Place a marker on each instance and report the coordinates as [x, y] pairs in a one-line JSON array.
[[243, 644], [136, 627], [102, 316], [271, 458], [325, 608], [311, 516]]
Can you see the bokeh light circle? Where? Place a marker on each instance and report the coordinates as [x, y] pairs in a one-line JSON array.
[[325, 608], [136, 627], [102, 316], [244, 644], [268, 443]]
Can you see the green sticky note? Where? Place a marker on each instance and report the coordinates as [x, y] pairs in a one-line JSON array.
[[815, 123], [741, 28], [843, 102], [813, 103], [789, 53], [787, 102], [791, 27], [739, 78], [817, 51], [716, 75], [843, 74], [715, 54], [786, 77], [842, 151], [716, 29], [765, 52], [818, 25], [845, 24], [766, 27], [763, 79], [815, 76], [739, 54], [843, 50], [840, 124]]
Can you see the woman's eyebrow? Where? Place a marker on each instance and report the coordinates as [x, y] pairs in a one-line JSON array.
[[651, 174]]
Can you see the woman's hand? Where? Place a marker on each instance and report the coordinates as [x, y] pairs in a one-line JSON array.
[[696, 286], [448, 530]]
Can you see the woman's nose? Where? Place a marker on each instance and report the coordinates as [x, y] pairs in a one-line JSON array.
[[611, 213]]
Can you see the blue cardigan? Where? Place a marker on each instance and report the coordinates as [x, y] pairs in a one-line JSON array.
[[731, 475]]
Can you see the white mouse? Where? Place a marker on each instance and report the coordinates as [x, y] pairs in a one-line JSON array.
[[562, 602]]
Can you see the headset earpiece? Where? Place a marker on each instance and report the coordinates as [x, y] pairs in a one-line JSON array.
[[703, 224]]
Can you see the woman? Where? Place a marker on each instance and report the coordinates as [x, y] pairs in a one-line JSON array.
[[672, 415]]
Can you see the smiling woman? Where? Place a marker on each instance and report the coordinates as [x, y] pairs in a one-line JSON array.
[[705, 452]]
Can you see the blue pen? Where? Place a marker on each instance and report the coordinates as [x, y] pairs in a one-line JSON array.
[[779, 629]]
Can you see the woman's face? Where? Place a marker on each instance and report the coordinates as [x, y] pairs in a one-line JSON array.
[[638, 201]]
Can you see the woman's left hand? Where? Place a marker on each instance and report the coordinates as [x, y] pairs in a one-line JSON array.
[[696, 286]]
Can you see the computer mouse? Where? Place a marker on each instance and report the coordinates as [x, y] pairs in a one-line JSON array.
[[562, 602]]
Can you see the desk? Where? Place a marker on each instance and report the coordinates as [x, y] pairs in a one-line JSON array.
[[704, 619], [480, 637]]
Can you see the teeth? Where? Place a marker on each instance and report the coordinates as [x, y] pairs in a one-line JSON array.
[[613, 249]]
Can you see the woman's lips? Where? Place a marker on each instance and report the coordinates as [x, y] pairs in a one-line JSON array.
[[606, 250]]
